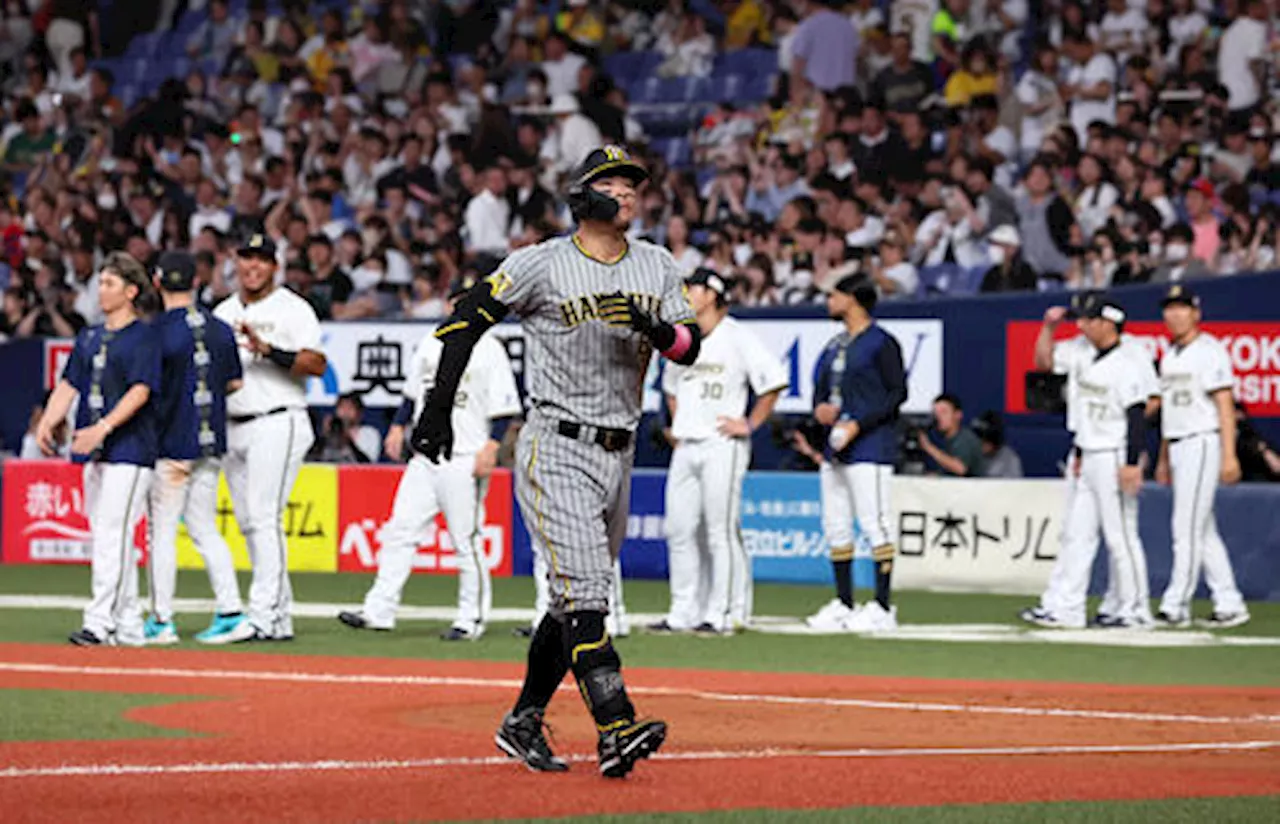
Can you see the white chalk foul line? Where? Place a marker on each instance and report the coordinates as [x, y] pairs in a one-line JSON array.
[[197, 768], [705, 695]]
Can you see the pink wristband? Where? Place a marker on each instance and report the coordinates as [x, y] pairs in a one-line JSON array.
[[684, 339]]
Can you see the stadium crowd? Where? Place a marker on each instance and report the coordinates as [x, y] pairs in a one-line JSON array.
[[388, 146]]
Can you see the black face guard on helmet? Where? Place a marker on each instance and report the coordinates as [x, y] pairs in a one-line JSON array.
[[585, 202]]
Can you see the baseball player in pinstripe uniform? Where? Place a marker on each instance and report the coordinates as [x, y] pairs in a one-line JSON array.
[[269, 432], [594, 307], [1197, 451], [485, 404], [1113, 390], [200, 368], [711, 585], [114, 369]]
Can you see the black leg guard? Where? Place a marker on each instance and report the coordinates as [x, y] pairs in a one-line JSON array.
[[598, 670], [547, 663]]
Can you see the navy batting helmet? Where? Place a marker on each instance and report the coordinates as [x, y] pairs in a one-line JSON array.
[[611, 161]]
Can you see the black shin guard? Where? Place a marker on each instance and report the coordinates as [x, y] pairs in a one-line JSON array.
[[883, 558], [598, 669], [546, 666]]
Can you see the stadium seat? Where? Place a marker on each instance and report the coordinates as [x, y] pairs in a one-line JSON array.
[[757, 88], [627, 67], [725, 88], [747, 62], [938, 280]]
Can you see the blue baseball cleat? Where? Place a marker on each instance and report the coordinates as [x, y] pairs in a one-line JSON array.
[[159, 633], [227, 629]]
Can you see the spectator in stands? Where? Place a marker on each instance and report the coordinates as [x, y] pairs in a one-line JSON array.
[[15, 309], [1045, 222], [993, 204], [561, 66], [824, 51], [1123, 29], [1242, 56], [895, 276], [1259, 461], [33, 141], [576, 135], [343, 436], [1177, 261], [688, 51], [1091, 85], [998, 458], [216, 36], [949, 28], [1010, 272], [747, 25], [1198, 201], [958, 453], [16, 33], [1264, 174], [976, 76], [905, 83], [488, 215], [774, 184], [1097, 196], [72, 24]]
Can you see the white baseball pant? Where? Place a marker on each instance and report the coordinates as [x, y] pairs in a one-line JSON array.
[[1099, 505], [711, 582], [263, 458], [188, 490], [1194, 463], [115, 499], [858, 492], [615, 622], [426, 490]]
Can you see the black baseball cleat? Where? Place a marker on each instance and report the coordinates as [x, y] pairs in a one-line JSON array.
[[708, 630], [620, 749], [460, 634], [1225, 620], [1166, 621], [662, 627], [1107, 621], [353, 619], [522, 632], [521, 737], [85, 638]]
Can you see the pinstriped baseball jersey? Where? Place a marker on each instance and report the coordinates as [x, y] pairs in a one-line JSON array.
[[578, 367]]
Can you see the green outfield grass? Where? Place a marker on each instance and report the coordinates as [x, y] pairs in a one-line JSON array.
[[751, 651], [1168, 811], [54, 715]]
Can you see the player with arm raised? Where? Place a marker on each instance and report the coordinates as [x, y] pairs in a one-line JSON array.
[[1197, 452], [1113, 389], [269, 430], [594, 306], [114, 369], [484, 405], [711, 586], [201, 367]]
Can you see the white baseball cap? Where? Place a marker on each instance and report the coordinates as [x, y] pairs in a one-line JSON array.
[[564, 104], [1005, 235]]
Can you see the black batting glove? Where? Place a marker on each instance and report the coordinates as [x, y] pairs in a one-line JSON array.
[[621, 311], [433, 433]]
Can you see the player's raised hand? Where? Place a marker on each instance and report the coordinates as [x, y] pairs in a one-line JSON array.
[[433, 433], [1054, 315]]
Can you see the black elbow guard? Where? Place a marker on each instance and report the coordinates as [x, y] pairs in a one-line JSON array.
[[475, 313]]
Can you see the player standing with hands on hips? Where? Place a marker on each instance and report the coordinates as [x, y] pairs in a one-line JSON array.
[[1112, 391], [485, 403], [114, 368], [200, 368], [593, 306], [269, 431], [861, 383], [1197, 451], [711, 586]]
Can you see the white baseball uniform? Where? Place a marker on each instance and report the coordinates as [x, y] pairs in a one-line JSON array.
[[268, 435], [1107, 386], [115, 497], [1070, 357], [487, 391], [712, 584], [1189, 376]]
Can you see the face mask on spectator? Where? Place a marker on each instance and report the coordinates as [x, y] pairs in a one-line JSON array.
[[1176, 252], [742, 253], [107, 201], [996, 253], [364, 277]]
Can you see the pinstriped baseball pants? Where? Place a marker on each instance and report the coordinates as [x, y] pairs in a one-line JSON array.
[[575, 498]]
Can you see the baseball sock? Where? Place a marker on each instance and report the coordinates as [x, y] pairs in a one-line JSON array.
[[546, 666], [844, 581], [883, 557], [598, 670]]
